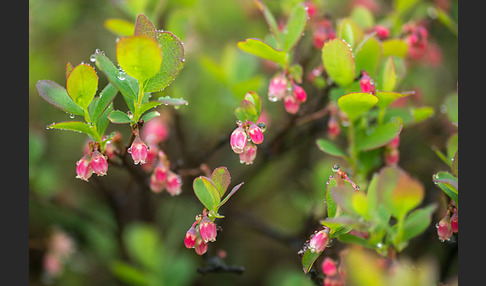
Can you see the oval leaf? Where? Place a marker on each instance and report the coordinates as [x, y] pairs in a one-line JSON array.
[[395, 47], [143, 26], [380, 136], [57, 95], [139, 56], [295, 27], [82, 84], [221, 179], [338, 61], [368, 56], [330, 148], [173, 54], [387, 97], [355, 104], [388, 77], [206, 192], [308, 259], [119, 27], [261, 49], [76, 126], [119, 117]]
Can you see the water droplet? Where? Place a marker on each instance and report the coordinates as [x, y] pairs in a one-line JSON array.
[[129, 150], [71, 115], [121, 75], [239, 122], [379, 245], [437, 225], [92, 58], [272, 98], [262, 126], [357, 187], [335, 168]]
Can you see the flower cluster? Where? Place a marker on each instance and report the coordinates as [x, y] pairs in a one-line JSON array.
[[417, 39], [202, 231], [93, 161], [163, 178], [245, 138], [334, 273], [60, 248], [283, 87], [391, 153], [448, 224]]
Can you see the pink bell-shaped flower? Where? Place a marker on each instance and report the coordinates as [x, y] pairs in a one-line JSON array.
[[138, 150], [256, 134], [99, 163], [238, 140], [191, 237], [319, 241], [207, 229], [83, 168]]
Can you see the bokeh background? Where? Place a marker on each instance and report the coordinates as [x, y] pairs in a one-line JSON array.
[[281, 200]]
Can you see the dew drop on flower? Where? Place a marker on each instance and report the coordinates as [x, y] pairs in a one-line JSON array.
[[92, 58], [335, 168]]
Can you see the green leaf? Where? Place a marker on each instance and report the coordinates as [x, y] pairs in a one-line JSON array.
[[150, 115], [368, 55], [355, 104], [119, 117], [57, 95], [255, 100], [173, 54], [149, 105], [388, 76], [417, 222], [82, 84], [107, 95], [167, 100], [353, 239], [295, 27], [261, 49], [395, 47], [247, 111], [387, 97], [447, 183], [421, 113], [143, 26], [451, 107], [128, 87], [360, 204], [207, 192], [272, 23], [403, 192], [348, 30], [330, 148], [446, 20], [139, 56], [379, 136], [221, 179], [143, 245], [308, 259], [76, 126], [363, 17], [233, 191], [102, 121], [69, 69], [331, 205], [338, 61], [119, 27]]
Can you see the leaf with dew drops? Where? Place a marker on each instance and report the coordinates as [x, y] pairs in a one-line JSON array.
[[82, 84], [57, 95]]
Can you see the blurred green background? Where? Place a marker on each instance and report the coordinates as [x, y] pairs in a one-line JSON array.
[[285, 193]]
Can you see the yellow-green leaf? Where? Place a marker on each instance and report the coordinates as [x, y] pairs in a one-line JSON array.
[[338, 61], [82, 84]]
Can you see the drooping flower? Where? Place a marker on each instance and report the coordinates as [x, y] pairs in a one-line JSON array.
[[444, 228], [255, 133], [173, 183], [201, 246], [207, 229], [291, 104], [83, 168], [277, 88], [99, 163], [455, 221], [366, 83], [138, 150], [249, 154], [299, 93], [238, 140], [191, 237]]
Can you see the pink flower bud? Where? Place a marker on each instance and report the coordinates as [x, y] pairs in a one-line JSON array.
[[444, 228], [382, 32], [83, 168], [249, 154], [455, 222], [238, 140], [152, 153], [318, 241], [155, 131], [207, 229], [367, 84], [138, 150], [158, 178], [256, 134], [191, 236], [52, 264], [277, 88], [99, 163], [173, 184], [333, 129], [329, 267], [201, 247], [392, 156], [394, 143], [299, 93], [291, 104]]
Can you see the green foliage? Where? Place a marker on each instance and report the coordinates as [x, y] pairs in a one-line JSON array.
[[338, 61]]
